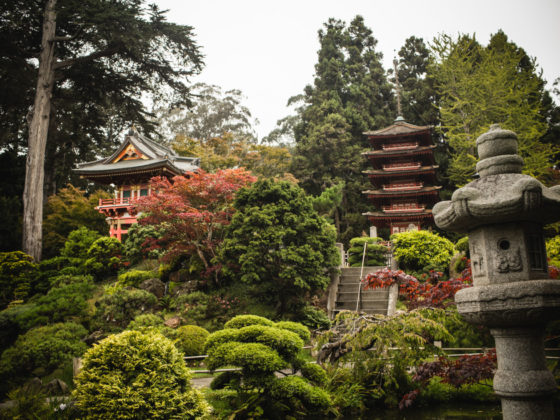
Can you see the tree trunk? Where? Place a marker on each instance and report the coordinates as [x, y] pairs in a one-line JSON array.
[[34, 173]]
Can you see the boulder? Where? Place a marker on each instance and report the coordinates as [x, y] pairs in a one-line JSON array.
[[154, 286], [174, 322]]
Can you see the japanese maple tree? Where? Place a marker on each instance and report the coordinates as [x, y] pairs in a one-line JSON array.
[[192, 210]]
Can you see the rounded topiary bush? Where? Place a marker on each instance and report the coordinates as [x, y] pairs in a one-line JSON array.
[[417, 249], [191, 339], [297, 328], [135, 375], [241, 321]]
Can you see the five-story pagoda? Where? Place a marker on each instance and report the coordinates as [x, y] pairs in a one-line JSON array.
[[403, 176]]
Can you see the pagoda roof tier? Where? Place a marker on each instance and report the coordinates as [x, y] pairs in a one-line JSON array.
[[379, 216], [429, 190], [374, 173], [137, 157], [400, 128], [383, 154]]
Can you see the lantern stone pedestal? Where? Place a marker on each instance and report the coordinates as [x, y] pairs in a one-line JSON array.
[[503, 213]]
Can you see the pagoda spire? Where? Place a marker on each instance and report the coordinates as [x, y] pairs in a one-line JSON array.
[[398, 88]]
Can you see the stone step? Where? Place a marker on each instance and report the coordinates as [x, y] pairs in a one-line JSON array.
[[365, 305], [352, 296], [369, 311], [350, 279]]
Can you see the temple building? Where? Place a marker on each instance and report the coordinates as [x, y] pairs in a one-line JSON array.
[[129, 170], [403, 177]]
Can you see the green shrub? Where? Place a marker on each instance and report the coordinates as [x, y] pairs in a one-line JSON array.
[[462, 245], [44, 347], [121, 307], [260, 350], [299, 394], [18, 274], [314, 318], [135, 277], [78, 243], [375, 253], [145, 320], [226, 380], [241, 321], [417, 249], [103, 257], [133, 375], [134, 245], [190, 339], [69, 301], [553, 251], [295, 327], [315, 373]]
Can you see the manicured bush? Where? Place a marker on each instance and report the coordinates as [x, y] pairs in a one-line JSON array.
[[134, 375], [136, 245], [226, 380], [553, 251], [135, 277], [416, 249], [260, 350], [315, 373], [121, 307], [241, 321], [190, 339], [145, 320], [314, 318], [295, 327], [462, 245], [44, 347], [18, 273], [104, 257], [78, 243], [375, 252]]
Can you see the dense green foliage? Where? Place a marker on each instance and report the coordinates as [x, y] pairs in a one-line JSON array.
[[479, 86], [350, 95], [375, 252], [416, 250], [17, 275], [118, 309], [553, 251], [361, 365], [136, 245], [190, 339], [278, 241], [135, 375], [260, 350], [104, 257], [134, 277], [78, 243], [42, 347], [67, 211]]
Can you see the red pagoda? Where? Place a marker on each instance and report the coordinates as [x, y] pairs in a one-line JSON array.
[[403, 176], [129, 170]]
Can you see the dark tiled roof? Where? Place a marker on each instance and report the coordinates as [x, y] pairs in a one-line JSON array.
[[399, 128]]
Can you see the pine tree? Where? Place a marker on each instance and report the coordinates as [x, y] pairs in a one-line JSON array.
[[350, 95]]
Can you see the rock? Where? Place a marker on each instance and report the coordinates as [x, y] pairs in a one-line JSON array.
[[174, 322], [154, 286], [57, 387], [185, 288], [94, 337]]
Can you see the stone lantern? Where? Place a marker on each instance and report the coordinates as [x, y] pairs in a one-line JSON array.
[[503, 213]]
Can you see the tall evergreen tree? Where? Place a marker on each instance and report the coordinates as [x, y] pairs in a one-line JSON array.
[[479, 86], [95, 61], [350, 95]]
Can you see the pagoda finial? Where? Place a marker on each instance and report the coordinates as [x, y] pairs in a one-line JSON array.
[[398, 88]]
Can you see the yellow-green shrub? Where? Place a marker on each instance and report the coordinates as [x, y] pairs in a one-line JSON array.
[[134, 375], [190, 339]]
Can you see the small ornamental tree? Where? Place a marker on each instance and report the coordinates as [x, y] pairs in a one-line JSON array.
[[276, 240], [17, 275], [261, 347], [191, 212], [417, 250], [135, 375]]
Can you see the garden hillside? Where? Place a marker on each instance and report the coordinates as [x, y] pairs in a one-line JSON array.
[[234, 268]]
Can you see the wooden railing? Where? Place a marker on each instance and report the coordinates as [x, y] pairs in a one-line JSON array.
[[401, 166], [395, 208], [404, 186], [116, 201], [400, 146]]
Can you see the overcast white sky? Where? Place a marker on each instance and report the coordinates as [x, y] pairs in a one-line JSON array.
[[268, 49]]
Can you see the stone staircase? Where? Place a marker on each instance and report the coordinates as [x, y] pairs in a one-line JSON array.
[[371, 301]]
